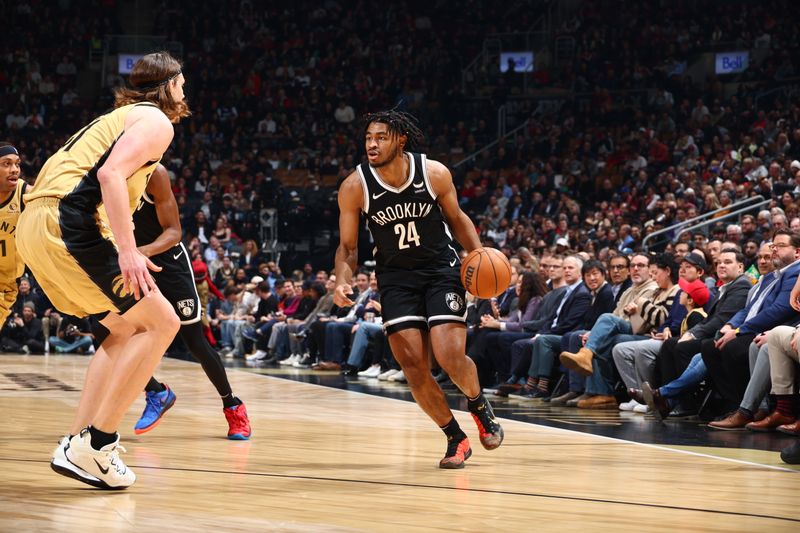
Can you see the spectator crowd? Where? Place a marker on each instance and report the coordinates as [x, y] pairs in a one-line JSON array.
[[636, 146]]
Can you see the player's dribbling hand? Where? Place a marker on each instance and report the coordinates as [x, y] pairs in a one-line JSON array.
[[341, 295], [134, 267]]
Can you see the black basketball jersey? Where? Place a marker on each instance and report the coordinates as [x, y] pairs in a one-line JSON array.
[[146, 227], [406, 223]]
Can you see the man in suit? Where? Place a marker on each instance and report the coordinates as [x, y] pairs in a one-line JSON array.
[[552, 267], [546, 346], [603, 301], [727, 358], [507, 301], [568, 316], [502, 356], [619, 275], [675, 353]]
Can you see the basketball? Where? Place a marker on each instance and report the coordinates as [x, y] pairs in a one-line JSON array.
[[486, 272]]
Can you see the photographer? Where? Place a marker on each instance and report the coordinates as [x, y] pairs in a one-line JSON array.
[[74, 335]]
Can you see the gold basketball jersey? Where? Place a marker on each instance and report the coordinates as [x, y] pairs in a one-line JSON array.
[[71, 173], [11, 265]]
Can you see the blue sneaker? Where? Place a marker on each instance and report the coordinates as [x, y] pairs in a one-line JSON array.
[[156, 404]]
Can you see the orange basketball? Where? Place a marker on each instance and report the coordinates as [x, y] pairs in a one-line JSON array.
[[486, 272]]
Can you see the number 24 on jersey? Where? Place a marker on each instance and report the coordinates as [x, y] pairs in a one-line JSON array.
[[407, 235]]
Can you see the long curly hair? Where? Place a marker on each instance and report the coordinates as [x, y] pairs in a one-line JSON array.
[[149, 82]]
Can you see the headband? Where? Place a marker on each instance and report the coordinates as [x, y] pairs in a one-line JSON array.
[[8, 150], [156, 85]]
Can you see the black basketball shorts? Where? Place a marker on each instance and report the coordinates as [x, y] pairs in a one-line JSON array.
[[176, 283], [421, 299]]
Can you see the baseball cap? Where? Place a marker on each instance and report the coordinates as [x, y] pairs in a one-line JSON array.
[[561, 241], [254, 281], [696, 260], [696, 290]]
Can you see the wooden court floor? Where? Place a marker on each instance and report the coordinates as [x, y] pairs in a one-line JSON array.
[[323, 459]]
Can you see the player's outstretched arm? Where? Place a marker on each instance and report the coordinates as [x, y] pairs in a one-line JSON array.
[[351, 195], [459, 222]]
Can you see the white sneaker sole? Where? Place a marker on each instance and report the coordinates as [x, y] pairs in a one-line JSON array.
[[61, 465]]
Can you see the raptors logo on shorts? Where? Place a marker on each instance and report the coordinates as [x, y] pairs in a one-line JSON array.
[[454, 302], [186, 307]]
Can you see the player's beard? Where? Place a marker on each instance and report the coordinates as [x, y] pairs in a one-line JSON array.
[[397, 152]]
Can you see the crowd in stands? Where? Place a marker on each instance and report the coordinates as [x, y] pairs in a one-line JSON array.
[[570, 201]]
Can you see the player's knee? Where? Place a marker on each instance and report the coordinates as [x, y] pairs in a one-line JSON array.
[[171, 322], [161, 317]]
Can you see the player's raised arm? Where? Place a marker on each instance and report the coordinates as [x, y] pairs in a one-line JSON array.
[[351, 196], [462, 226]]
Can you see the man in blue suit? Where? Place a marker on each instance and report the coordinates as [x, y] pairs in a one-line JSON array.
[[567, 317], [727, 358]]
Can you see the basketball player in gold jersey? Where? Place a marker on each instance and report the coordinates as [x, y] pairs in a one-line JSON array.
[[11, 190], [76, 235]]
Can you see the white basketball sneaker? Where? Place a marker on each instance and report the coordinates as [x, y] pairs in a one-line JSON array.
[[104, 464], [59, 463]]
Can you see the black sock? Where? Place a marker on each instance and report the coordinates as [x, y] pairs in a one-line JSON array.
[[154, 386], [453, 431], [472, 403], [100, 438], [746, 412], [230, 400]]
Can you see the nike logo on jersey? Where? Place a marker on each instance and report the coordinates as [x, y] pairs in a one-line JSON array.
[[453, 262], [103, 470], [376, 196], [178, 255], [417, 185]]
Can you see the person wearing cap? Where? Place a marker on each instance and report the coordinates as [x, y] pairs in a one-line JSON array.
[[727, 358], [694, 295], [254, 281], [697, 266], [11, 204], [676, 353], [636, 360]]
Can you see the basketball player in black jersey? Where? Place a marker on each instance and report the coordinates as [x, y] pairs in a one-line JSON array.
[[157, 229], [410, 205]]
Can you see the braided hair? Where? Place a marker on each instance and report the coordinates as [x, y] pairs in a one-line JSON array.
[[399, 123]]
